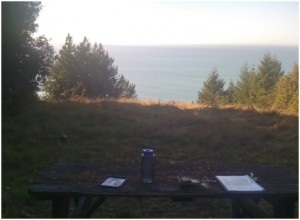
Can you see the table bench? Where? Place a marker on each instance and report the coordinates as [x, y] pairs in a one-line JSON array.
[[80, 181]]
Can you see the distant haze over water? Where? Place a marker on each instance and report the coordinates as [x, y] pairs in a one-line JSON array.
[[178, 72]]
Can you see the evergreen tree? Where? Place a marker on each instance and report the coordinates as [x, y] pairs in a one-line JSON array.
[[25, 60], [269, 72], [84, 68], [213, 89], [125, 88], [246, 88], [62, 78], [104, 74], [86, 71], [229, 93], [286, 92]]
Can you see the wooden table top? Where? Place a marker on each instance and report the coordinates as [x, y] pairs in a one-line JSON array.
[[71, 179]]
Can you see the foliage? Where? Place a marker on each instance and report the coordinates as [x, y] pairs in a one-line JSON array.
[[212, 90], [269, 72], [86, 71], [229, 93], [286, 92], [254, 86], [246, 88], [25, 60], [60, 79], [264, 87]]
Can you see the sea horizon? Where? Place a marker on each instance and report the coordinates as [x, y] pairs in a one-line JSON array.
[[58, 46]]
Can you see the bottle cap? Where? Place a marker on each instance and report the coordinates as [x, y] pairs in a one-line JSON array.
[[147, 152]]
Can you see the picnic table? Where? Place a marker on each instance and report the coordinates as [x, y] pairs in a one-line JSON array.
[[65, 181]]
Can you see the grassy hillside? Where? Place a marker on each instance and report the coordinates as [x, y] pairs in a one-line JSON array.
[[116, 130]]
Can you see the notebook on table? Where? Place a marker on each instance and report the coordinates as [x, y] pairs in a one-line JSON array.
[[239, 184]]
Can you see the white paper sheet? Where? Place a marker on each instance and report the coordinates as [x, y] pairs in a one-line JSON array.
[[113, 182], [239, 183]]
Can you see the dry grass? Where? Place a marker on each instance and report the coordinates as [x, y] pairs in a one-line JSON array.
[[113, 130]]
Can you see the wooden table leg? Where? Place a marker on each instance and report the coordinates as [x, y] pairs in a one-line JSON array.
[[60, 207], [94, 206], [86, 206], [284, 208], [236, 209]]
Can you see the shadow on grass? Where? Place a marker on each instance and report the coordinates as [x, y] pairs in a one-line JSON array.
[[116, 131]]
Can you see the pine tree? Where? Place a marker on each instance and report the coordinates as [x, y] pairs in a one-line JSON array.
[[213, 89], [246, 86], [104, 73], [85, 68], [62, 78], [124, 88], [229, 93], [286, 92], [86, 71], [269, 72]]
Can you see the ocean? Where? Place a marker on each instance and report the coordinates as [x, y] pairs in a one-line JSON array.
[[178, 72]]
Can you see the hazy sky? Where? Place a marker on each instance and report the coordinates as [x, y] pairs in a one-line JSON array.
[[129, 22]]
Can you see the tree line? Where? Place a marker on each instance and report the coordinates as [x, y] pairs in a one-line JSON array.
[[265, 86], [29, 65]]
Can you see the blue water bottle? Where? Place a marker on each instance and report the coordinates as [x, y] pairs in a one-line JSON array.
[[147, 165]]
